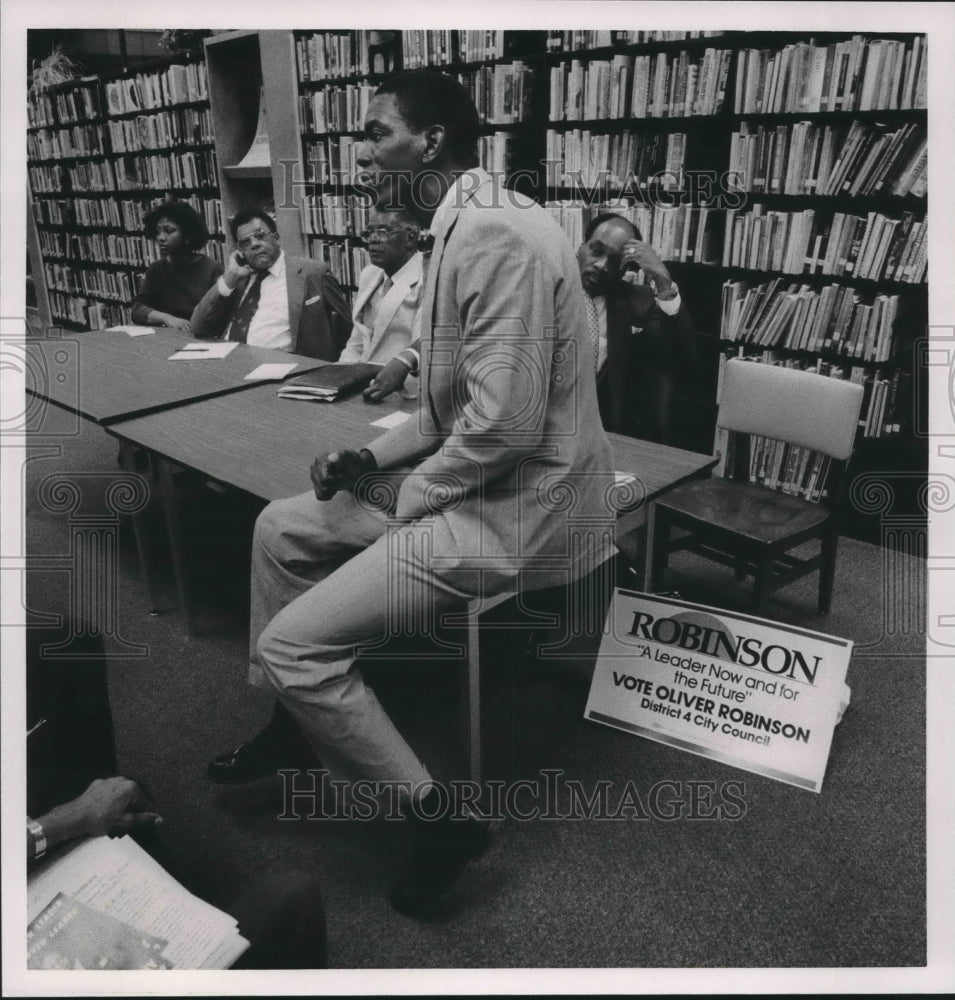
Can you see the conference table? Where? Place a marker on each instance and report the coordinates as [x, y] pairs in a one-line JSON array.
[[261, 444], [107, 375]]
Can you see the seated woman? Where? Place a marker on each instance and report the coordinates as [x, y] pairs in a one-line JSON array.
[[175, 283]]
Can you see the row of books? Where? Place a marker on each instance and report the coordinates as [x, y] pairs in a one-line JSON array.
[[116, 285], [854, 75], [346, 260], [71, 308], [159, 171], [77, 104], [334, 214], [160, 89], [335, 109], [326, 55], [887, 401], [440, 48], [677, 233], [873, 247], [834, 319], [580, 157], [46, 179], [665, 85], [175, 127], [65, 143], [564, 41], [136, 252], [501, 93], [496, 153], [859, 159], [332, 161]]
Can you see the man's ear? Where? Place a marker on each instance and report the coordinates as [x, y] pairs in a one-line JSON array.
[[434, 143]]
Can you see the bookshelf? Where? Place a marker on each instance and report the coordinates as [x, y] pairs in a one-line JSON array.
[[781, 177], [101, 152], [251, 106], [337, 73]]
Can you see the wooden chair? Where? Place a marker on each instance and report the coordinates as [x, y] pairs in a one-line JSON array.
[[750, 527]]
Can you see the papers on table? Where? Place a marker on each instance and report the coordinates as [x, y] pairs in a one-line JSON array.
[[392, 420], [270, 371], [212, 349], [329, 383], [121, 882], [132, 331], [620, 478]]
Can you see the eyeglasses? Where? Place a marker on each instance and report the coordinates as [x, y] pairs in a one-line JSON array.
[[377, 234], [259, 236]]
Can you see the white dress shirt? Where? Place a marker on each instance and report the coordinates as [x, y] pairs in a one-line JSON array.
[[670, 307], [270, 324]]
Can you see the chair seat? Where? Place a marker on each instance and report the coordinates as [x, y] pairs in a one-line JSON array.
[[754, 512]]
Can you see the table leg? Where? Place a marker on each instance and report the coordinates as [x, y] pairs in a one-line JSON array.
[[146, 564], [170, 504]]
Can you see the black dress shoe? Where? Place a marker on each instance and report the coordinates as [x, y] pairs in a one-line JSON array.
[[442, 849], [260, 757]]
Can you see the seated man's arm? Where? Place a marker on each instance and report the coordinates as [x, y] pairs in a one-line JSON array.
[[211, 316], [108, 806], [392, 377], [337, 311]]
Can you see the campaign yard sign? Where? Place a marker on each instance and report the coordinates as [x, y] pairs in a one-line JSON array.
[[749, 692]]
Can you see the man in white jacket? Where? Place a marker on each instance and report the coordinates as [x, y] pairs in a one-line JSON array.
[[389, 293]]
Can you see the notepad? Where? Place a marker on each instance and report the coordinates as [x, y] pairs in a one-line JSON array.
[[195, 352], [329, 383], [132, 331]]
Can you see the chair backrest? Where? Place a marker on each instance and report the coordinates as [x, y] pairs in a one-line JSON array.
[[802, 408]]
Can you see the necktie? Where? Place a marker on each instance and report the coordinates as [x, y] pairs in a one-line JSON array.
[[594, 326], [239, 327]]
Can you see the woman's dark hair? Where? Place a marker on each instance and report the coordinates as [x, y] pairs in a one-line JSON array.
[[193, 226]]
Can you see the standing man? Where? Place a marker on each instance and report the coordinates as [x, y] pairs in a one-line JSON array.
[[641, 335], [507, 432], [268, 299]]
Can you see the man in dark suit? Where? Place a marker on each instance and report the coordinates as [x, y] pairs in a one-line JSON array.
[[641, 335], [268, 299]]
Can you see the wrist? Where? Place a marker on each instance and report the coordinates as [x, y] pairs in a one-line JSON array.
[[369, 462], [666, 289], [38, 839]]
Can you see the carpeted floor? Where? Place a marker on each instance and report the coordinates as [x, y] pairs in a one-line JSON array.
[[799, 880]]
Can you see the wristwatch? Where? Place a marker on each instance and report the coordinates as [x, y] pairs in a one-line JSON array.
[[671, 295], [36, 831]]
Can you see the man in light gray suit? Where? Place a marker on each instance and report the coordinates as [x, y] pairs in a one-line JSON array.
[[506, 458]]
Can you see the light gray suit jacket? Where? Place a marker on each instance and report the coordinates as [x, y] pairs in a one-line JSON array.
[[392, 328], [508, 454]]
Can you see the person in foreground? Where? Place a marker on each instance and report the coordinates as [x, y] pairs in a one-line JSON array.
[[641, 334], [507, 424], [174, 284], [268, 299], [73, 790]]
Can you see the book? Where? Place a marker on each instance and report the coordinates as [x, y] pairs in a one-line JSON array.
[[330, 382], [104, 903]]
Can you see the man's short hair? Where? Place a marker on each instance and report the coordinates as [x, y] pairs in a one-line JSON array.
[[247, 215], [599, 220], [193, 227], [395, 194], [426, 97]]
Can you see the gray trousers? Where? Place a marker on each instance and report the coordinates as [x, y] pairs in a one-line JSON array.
[[326, 578]]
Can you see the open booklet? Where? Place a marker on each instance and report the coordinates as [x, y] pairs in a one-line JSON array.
[[106, 904], [330, 382]]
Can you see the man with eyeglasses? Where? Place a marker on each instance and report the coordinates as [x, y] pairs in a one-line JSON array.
[[389, 292], [269, 299]]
